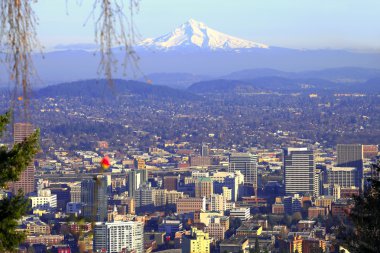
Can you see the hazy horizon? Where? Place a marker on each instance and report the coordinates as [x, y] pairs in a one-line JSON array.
[[296, 24]]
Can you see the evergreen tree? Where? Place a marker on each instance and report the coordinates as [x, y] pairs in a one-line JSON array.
[[257, 246], [12, 163], [364, 236]]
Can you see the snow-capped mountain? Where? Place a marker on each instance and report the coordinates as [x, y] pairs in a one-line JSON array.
[[196, 35], [196, 49]]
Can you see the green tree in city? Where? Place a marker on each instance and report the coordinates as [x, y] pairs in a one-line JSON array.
[[12, 163], [296, 217], [364, 235], [257, 246]]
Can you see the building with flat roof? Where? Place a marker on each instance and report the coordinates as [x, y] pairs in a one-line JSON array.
[[243, 213], [190, 205], [204, 187], [235, 245], [170, 183], [170, 226], [246, 163], [197, 242], [218, 202], [249, 230], [300, 172], [43, 199], [351, 155], [115, 236], [342, 176], [292, 204], [216, 231]]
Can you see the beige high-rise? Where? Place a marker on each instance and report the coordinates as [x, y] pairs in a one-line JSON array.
[[21, 131]]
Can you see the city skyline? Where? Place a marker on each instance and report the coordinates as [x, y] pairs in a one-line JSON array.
[[248, 126]]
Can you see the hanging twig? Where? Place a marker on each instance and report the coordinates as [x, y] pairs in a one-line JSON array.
[[114, 29], [18, 39]]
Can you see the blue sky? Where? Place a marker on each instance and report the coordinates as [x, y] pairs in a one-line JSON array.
[[346, 24]]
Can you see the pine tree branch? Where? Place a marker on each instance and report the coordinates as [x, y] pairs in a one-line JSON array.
[[11, 210], [4, 121], [14, 161]]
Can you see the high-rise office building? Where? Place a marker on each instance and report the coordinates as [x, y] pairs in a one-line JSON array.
[[351, 155], [131, 204], [110, 237], [62, 192], [245, 163], [21, 131], [203, 187], [227, 193], [159, 197], [26, 183], [204, 150], [173, 196], [229, 180], [216, 231], [144, 196], [218, 202], [75, 190], [345, 177], [94, 198], [136, 178], [300, 172], [171, 183], [292, 204]]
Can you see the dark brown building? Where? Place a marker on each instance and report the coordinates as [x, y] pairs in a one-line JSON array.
[[170, 183], [201, 161]]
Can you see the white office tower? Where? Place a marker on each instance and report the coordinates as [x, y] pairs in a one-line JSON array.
[[113, 237], [43, 200], [300, 172], [245, 163], [243, 213]]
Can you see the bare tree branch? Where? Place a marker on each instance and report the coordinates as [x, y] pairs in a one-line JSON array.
[[18, 38], [114, 29]]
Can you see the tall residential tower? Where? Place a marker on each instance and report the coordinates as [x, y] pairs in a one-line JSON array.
[[117, 236]]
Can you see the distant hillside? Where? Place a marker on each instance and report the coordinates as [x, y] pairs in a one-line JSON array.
[[218, 86], [174, 80], [272, 83], [247, 74], [372, 85], [346, 74], [341, 75], [101, 89]]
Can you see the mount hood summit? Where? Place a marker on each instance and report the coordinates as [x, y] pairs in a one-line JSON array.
[[196, 35]]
